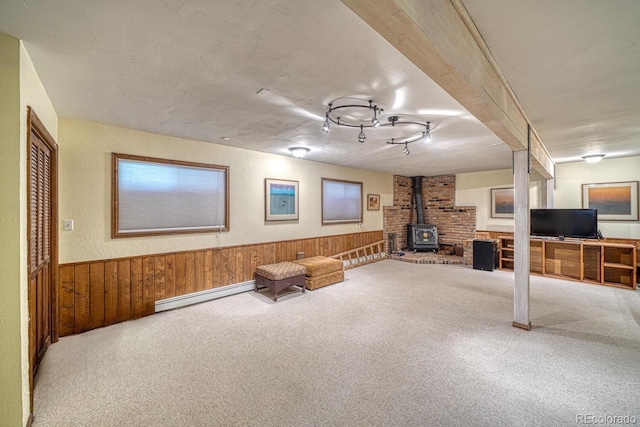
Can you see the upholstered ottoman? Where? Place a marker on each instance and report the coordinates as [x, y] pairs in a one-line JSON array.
[[279, 276], [322, 271]]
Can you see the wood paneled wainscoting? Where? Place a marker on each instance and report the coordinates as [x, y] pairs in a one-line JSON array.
[[99, 293]]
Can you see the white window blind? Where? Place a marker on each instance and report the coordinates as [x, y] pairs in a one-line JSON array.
[[157, 196], [341, 201]]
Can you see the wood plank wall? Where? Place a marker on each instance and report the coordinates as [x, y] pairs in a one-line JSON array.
[[94, 294]]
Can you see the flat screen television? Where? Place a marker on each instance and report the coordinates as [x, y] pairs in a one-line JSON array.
[[576, 223]]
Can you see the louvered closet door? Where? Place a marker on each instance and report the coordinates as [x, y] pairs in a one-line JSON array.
[[40, 307]]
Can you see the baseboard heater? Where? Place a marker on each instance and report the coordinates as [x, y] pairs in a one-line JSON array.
[[202, 296]]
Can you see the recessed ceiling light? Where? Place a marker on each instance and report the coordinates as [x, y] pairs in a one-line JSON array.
[[225, 138], [263, 92], [593, 158]]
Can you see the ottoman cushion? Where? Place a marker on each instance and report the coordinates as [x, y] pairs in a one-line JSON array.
[[280, 270], [319, 265]]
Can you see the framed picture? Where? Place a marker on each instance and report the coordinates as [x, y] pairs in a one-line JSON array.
[[373, 202], [615, 201], [281, 200], [502, 202]]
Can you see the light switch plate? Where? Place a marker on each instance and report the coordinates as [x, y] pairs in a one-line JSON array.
[[67, 225]]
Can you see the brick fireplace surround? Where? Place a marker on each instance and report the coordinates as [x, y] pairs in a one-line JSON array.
[[455, 223]]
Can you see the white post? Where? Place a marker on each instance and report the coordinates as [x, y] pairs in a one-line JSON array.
[[521, 240], [550, 193]]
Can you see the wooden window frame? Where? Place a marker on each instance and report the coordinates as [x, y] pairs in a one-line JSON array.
[[115, 233], [348, 221]]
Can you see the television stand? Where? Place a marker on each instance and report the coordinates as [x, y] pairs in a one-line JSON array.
[[609, 264]]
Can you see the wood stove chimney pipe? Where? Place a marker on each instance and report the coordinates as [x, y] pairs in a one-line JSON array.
[[417, 194]]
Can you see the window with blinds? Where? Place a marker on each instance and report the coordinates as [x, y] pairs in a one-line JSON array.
[[341, 201], [157, 196]]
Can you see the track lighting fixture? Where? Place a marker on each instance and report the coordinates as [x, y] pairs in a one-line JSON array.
[[424, 136], [352, 105]]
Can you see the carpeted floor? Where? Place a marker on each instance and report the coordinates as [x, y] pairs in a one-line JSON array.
[[395, 344]]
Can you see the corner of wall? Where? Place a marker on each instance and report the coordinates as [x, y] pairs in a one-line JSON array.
[[14, 393], [32, 94]]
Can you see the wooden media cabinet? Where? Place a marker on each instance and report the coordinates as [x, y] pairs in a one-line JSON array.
[[610, 264]]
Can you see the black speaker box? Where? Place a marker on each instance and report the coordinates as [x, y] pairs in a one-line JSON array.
[[484, 255]]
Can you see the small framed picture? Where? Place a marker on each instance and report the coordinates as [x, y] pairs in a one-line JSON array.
[[281, 200], [373, 202], [502, 202]]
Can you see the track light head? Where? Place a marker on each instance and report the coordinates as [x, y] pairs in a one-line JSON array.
[[427, 133], [326, 127], [374, 120], [361, 135]]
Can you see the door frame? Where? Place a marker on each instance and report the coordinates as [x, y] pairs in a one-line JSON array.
[[35, 125]]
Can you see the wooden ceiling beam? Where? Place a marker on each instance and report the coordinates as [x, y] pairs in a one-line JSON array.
[[439, 37]]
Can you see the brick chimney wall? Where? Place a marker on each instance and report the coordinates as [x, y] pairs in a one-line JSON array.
[[455, 223], [396, 217]]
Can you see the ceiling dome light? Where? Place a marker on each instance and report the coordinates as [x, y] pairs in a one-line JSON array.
[[299, 152], [593, 158]]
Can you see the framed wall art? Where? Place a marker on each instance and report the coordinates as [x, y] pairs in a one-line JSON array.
[[281, 200], [502, 202], [615, 201], [373, 202]]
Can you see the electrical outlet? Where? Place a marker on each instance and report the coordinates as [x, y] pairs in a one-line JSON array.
[[67, 225]]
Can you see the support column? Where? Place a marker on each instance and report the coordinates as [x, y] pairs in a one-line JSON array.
[[521, 240], [549, 193]]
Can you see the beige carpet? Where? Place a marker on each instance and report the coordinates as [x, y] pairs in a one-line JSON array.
[[396, 344]]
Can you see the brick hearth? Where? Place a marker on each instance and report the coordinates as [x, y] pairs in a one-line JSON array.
[[428, 258]]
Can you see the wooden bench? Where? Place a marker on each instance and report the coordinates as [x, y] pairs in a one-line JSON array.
[[280, 276]]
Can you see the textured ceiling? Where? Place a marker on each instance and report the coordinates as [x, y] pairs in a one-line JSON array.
[[575, 68], [192, 68]]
